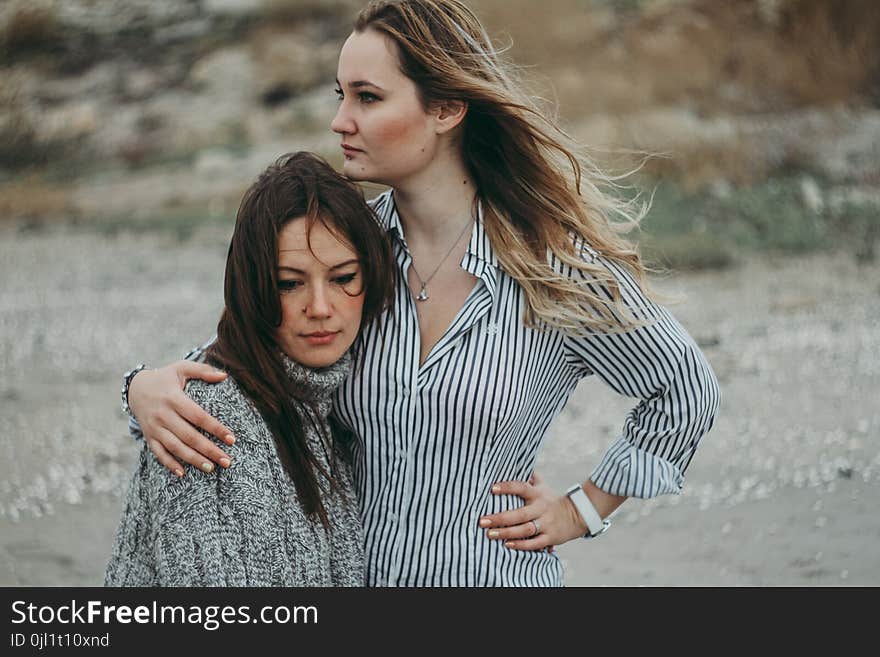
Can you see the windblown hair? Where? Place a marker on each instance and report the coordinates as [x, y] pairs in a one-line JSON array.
[[541, 196], [297, 185]]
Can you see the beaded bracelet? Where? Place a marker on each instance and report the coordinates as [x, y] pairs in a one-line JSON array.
[[126, 383]]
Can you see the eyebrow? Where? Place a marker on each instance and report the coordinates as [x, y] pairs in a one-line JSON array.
[[353, 261], [357, 84]]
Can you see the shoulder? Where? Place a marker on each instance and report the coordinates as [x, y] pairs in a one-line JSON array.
[[579, 251], [227, 402], [584, 264], [203, 392], [603, 281]]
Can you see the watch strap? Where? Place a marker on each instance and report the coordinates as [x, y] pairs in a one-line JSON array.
[[594, 522]]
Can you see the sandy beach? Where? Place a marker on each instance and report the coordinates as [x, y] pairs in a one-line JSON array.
[[784, 491]]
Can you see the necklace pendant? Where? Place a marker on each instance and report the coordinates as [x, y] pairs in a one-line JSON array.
[[423, 294]]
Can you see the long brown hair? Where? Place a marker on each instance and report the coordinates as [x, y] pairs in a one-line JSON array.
[[540, 193], [297, 185]]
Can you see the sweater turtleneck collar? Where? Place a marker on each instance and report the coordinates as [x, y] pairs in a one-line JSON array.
[[317, 384]]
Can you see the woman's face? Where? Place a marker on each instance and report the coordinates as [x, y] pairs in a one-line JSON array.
[[387, 136], [321, 294]]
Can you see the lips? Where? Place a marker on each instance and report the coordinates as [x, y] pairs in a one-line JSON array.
[[351, 150], [320, 337]]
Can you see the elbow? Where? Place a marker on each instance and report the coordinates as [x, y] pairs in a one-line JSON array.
[[709, 396]]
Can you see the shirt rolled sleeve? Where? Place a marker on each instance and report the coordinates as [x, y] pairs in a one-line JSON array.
[[661, 365]]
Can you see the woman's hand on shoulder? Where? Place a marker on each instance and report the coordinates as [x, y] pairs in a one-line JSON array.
[[170, 420], [547, 519]]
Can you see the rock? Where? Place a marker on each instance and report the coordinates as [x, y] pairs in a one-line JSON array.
[[141, 83], [706, 341], [68, 122], [100, 81], [108, 19], [233, 7], [186, 31], [227, 72], [214, 162], [811, 195], [291, 61]]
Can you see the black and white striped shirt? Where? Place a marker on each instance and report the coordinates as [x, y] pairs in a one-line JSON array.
[[434, 438]]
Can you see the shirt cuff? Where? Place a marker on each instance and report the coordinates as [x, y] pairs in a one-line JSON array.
[[632, 472]]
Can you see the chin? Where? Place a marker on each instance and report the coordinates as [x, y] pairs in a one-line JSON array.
[[317, 358], [318, 361], [354, 172], [359, 173]]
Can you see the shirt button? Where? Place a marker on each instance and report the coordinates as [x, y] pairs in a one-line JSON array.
[[406, 392], [392, 517], [401, 454]]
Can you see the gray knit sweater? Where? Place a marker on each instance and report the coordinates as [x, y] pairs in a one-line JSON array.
[[241, 526]]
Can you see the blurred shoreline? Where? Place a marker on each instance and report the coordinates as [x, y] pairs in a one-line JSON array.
[[783, 491]]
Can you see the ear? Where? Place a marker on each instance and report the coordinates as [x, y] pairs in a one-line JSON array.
[[448, 114]]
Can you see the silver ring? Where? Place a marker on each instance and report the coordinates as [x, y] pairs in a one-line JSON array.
[[537, 527]]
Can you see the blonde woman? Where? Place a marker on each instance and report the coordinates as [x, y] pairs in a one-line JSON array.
[[512, 284]]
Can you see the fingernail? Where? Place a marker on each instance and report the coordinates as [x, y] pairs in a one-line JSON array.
[[207, 467], [178, 472], [496, 488], [508, 544], [485, 522], [493, 533], [225, 462], [230, 439]]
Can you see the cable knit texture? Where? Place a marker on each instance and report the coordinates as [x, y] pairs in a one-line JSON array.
[[241, 526]]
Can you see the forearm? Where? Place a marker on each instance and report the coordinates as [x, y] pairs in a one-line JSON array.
[[605, 503], [129, 385], [167, 419]]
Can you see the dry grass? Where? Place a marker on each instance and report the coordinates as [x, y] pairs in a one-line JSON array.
[[702, 163], [716, 57], [839, 47], [32, 198], [294, 11], [28, 27], [19, 146]]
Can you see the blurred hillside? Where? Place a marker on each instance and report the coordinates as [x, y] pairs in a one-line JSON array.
[[145, 113]]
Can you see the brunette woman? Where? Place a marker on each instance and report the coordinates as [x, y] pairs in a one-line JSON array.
[[308, 266]]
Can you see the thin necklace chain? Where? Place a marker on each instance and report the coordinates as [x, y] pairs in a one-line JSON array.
[[423, 292]]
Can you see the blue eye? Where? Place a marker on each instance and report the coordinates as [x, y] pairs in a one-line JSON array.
[[345, 279], [367, 97], [287, 286], [339, 94]]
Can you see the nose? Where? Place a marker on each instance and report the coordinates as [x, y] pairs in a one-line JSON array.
[[342, 123], [319, 305]]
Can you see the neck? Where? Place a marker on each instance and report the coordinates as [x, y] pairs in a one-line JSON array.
[[437, 203], [317, 384]]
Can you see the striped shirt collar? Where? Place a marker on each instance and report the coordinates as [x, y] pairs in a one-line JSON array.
[[479, 246]]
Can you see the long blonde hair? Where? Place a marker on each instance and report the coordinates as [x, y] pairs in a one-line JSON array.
[[541, 195]]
